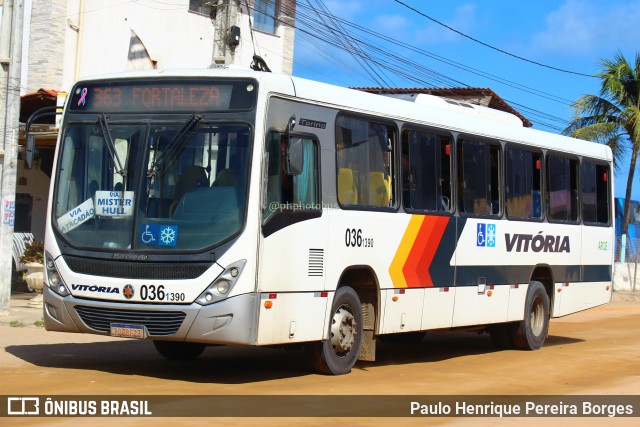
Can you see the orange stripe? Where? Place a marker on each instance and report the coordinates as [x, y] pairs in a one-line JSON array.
[[403, 250]]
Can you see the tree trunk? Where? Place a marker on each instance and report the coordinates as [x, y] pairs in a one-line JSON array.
[[627, 198]]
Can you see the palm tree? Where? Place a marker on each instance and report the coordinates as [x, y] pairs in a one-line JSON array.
[[613, 118]]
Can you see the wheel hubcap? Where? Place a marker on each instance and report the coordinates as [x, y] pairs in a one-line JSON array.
[[537, 317], [343, 330]]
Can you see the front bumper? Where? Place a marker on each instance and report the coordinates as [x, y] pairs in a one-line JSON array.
[[231, 321]]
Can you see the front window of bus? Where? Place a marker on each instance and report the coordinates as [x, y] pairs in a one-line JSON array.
[[151, 187]]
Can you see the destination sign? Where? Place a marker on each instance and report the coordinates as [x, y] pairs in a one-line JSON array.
[[163, 95]]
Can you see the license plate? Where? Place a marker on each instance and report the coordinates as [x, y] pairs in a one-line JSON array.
[[128, 331]]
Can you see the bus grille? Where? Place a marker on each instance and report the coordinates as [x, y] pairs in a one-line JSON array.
[[135, 270], [158, 323]]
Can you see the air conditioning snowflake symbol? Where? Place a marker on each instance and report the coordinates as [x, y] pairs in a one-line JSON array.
[[168, 236]]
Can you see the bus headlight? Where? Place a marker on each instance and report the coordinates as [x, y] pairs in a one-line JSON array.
[[54, 280], [222, 285]]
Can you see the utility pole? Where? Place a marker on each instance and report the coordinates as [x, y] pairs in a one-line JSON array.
[[10, 62], [226, 31]]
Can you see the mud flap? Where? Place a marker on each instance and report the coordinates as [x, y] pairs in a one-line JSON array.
[[368, 345]]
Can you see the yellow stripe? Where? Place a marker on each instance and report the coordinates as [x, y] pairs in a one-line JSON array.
[[404, 248]]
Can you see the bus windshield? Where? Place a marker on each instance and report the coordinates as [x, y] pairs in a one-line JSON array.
[[151, 187]]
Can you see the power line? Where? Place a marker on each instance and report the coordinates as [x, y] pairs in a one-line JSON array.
[[493, 47]]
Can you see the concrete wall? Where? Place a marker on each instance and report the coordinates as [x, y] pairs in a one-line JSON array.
[[46, 45], [172, 36], [623, 276]]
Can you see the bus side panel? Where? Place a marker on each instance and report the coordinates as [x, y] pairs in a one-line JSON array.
[[517, 297], [581, 296], [423, 260], [292, 269], [292, 317], [293, 259], [438, 307], [400, 310], [596, 287], [505, 253], [474, 307]]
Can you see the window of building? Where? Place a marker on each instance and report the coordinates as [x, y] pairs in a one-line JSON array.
[[265, 14], [562, 188], [523, 185], [291, 192], [478, 177], [365, 160], [426, 171], [202, 7], [595, 193]]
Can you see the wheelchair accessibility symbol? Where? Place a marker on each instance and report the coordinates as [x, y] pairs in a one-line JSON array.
[[486, 235], [149, 234]]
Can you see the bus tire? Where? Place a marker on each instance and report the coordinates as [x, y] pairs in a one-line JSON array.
[[179, 350], [337, 354], [531, 332]]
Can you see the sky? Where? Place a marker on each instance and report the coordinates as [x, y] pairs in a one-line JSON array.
[[570, 35]]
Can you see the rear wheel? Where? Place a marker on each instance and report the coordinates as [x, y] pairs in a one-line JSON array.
[[179, 350], [337, 354], [532, 331]]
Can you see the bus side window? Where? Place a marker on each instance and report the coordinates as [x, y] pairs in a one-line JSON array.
[[426, 171], [595, 193], [365, 163], [478, 177], [562, 188], [523, 184]]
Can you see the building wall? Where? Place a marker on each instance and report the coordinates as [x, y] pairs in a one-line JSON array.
[[46, 44], [173, 38]]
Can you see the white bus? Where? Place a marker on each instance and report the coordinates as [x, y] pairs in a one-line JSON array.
[[243, 208]]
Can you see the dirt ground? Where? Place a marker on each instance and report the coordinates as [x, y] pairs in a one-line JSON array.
[[595, 352]]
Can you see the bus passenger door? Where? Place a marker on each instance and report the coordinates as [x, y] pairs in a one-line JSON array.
[[293, 243]]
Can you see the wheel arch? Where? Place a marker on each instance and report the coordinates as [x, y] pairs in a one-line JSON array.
[[544, 274], [364, 281]]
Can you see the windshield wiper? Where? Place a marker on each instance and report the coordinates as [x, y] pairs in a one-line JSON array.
[[172, 146], [102, 120]]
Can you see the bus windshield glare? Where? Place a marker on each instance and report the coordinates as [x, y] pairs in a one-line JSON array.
[[171, 186]]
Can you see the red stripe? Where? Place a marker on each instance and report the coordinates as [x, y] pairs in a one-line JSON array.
[[416, 267], [411, 269]]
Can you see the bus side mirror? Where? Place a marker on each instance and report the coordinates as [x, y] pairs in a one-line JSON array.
[[294, 156], [30, 150]]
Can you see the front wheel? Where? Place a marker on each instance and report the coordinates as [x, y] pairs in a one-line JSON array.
[[179, 350], [337, 354], [532, 331]]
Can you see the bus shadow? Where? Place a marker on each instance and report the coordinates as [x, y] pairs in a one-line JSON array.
[[223, 365], [242, 365], [445, 345]]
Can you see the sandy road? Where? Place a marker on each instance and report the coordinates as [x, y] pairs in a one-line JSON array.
[[594, 352]]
